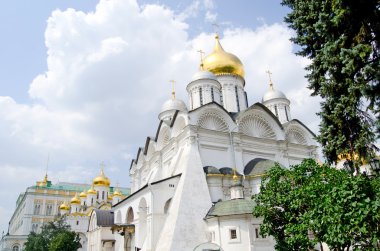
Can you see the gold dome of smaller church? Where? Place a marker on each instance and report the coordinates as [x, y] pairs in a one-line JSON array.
[[83, 194], [75, 199], [91, 190], [101, 180], [64, 206], [221, 62], [117, 193]]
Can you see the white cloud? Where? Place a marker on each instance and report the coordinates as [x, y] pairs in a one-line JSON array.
[[108, 74], [211, 17]]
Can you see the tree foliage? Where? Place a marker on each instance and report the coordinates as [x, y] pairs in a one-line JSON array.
[[54, 236], [342, 38], [310, 204]]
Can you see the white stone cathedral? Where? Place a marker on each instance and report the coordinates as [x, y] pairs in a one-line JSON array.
[[191, 184]]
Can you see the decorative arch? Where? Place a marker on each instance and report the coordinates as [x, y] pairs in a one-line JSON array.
[[16, 247], [256, 125], [163, 137], [296, 136], [130, 215], [213, 121], [179, 124], [167, 206]]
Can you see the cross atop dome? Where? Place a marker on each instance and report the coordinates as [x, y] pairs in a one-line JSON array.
[[270, 79]]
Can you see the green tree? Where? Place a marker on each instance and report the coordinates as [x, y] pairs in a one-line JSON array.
[[65, 241], [342, 39], [310, 204], [54, 236]]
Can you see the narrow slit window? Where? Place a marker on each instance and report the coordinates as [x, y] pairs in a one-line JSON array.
[[200, 95], [237, 98]]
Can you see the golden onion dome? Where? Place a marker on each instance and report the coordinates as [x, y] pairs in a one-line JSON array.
[[64, 206], [91, 190], [221, 62], [83, 194], [75, 199], [117, 193], [101, 180]]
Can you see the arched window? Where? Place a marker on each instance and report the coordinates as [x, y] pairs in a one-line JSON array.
[[49, 209], [167, 206], [16, 247], [37, 209], [130, 216], [97, 195], [102, 195], [92, 201], [34, 228]]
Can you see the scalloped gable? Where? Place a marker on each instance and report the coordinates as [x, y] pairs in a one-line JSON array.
[[301, 124], [259, 106]]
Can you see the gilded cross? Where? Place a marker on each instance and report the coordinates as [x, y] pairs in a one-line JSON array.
[[173, 88], [270, 79], [216, 28], [201, 53]]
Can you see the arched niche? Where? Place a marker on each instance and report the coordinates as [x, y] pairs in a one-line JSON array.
[[257, 126], [163, 137], [179, 125], [167, 206], [130, 216], [212, 120], [296, 136]]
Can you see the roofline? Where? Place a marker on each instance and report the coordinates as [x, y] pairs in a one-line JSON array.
[[142, 188], [174, 118], [265, 109], [147, 142], [158, 129], [296, 120], [211, 103]]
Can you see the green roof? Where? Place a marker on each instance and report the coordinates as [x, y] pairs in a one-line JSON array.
[[231, 207], [76, 187]]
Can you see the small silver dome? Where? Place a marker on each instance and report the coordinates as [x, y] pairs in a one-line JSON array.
[[174, 104], [203, 75], [273, 94]]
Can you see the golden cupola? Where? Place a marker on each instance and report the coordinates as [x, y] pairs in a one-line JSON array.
[[64, 207], [221, 62], [91, 190], [117, 193], [83, 194], [101, 180], [75, 199]]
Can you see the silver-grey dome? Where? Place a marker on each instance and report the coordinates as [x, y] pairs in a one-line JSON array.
[[203, 75], [273, 94], [174, 104]]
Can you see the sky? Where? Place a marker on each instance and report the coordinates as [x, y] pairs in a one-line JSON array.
[[82, 82]]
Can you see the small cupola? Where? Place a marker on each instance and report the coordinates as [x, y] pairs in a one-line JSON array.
[[277, 102]]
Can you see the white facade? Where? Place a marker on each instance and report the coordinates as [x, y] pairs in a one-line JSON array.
[[41, 203], [184, 180], [38, 205]]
